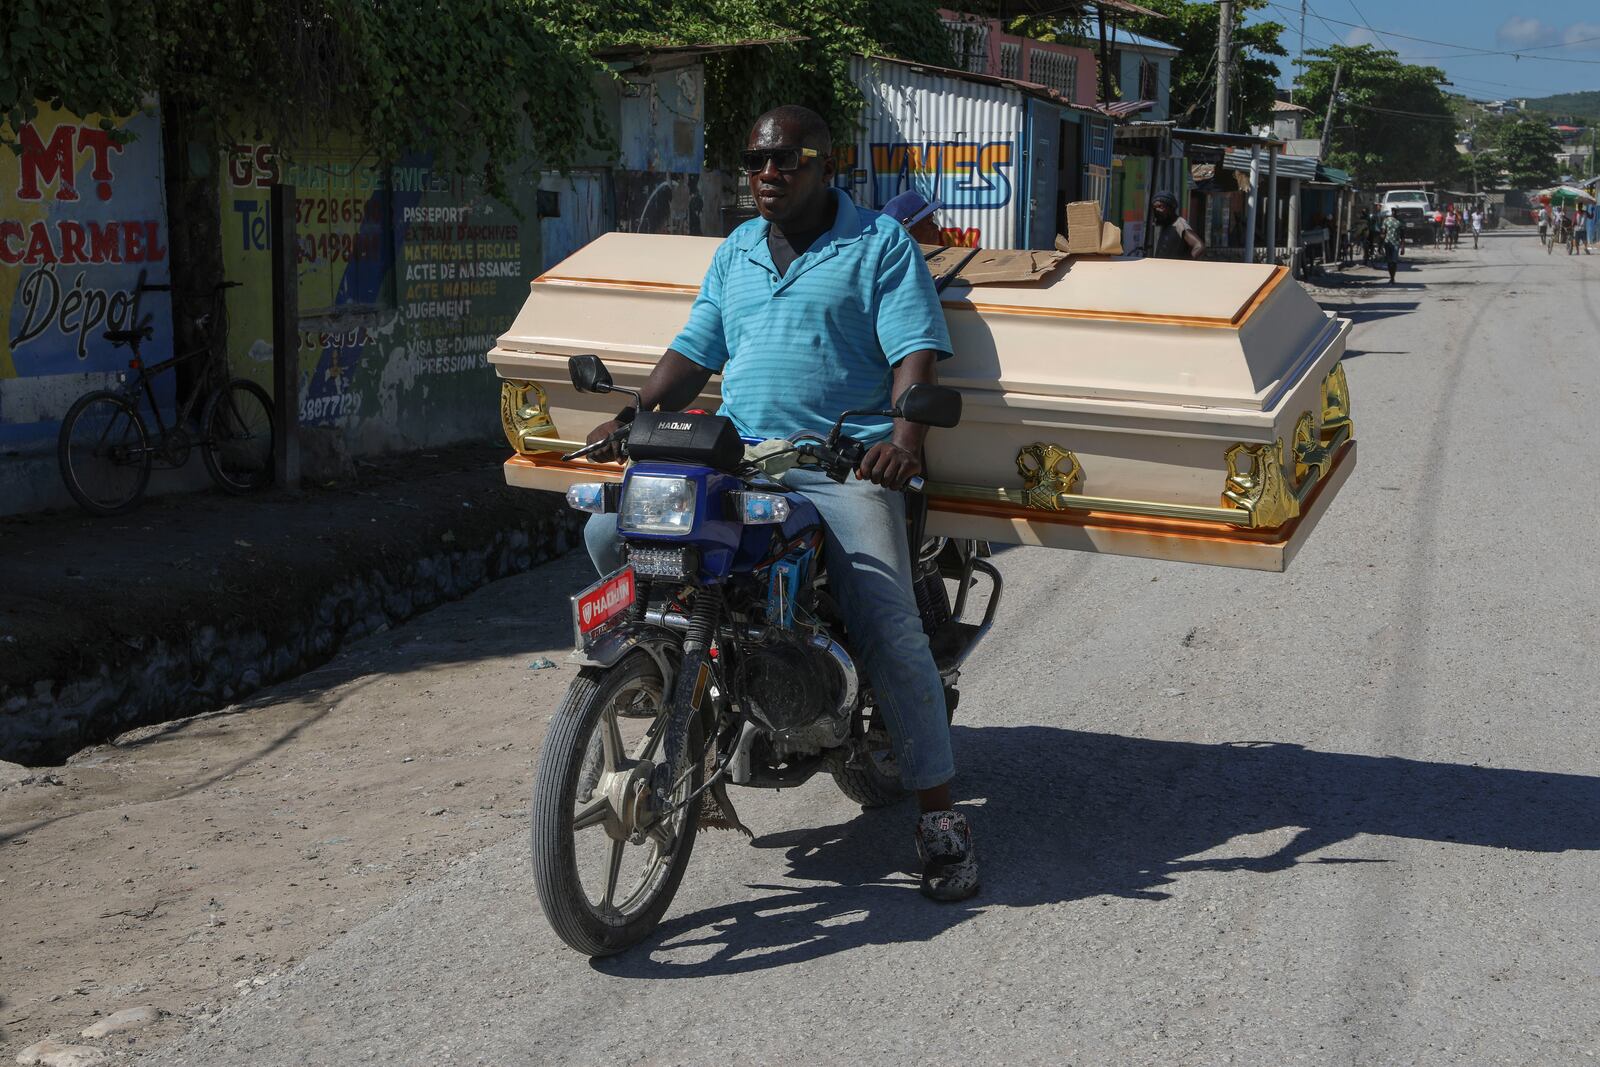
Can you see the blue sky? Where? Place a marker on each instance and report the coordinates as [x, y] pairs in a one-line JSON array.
[[1558, 40]]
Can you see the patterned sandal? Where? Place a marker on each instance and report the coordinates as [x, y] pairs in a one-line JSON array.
[[949, 858]]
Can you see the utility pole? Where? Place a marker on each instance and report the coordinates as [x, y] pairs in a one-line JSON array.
[[1224, 58], [1327, 122], [1300, 60]]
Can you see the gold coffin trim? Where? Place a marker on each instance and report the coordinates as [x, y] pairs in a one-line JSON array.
[[1260, 492]]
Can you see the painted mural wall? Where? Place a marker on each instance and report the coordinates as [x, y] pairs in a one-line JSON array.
[[82, 220], [406, 277], [957, 140]]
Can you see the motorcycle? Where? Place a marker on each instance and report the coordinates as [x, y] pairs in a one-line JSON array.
[[715, 656]]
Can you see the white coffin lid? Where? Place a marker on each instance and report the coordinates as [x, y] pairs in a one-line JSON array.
[[1169, 333]]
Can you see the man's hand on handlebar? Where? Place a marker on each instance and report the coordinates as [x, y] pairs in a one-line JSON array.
[[608, 454], [889, 465]]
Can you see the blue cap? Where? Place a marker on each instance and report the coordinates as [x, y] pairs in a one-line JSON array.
[[910, 208]]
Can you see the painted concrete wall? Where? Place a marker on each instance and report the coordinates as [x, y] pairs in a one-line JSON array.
[[82, 219], [1129, 62], [406, 274], [406, 277]]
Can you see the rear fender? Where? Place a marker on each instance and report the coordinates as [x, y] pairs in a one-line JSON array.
[[607, 650]]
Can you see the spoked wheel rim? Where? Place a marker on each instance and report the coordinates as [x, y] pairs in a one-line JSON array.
[[106, 454], [239, 436], [622, 852]]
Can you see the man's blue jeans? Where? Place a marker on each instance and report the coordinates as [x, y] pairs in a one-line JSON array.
[[869, 567]]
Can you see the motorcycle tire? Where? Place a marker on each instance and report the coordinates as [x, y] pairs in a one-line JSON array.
[[566, 766], [869, 783]]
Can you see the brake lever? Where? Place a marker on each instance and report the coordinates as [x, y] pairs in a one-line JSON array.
[[611, 438]]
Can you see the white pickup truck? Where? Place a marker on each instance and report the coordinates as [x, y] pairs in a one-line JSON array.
[[1415, 209]]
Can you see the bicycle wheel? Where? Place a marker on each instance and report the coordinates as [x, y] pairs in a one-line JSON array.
[[104, 453], [238, 436]]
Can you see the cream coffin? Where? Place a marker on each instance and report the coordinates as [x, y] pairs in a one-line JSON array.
[[1173, 410]]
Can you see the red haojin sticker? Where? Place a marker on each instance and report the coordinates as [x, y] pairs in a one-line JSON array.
[[602, 602]]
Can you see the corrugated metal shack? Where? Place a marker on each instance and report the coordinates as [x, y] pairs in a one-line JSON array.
[[1004, 156]]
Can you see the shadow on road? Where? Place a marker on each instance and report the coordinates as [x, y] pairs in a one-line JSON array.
[[1374, 310], [1069, 815]]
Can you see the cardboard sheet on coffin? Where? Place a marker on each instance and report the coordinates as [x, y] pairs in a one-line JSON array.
[[1147, 371]]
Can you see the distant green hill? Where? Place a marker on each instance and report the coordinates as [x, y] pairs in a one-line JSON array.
[[1586, 104]]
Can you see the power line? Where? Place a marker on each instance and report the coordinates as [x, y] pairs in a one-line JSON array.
[[1365, 23], [1470, 51]]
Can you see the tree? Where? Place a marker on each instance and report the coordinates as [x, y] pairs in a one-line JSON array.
[[1528, 149], [1483, 169], [1192, 28], [473, 82], [1391, 122]]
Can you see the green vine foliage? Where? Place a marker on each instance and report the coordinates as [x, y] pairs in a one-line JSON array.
[[474, 82]]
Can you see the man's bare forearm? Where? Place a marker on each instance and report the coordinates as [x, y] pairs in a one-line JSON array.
[[916, 368], [674, 383]]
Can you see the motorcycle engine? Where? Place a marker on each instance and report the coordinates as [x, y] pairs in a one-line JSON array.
[[794, 691]]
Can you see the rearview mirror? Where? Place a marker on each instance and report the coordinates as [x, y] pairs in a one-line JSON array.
[[931, 405], [589, 374]]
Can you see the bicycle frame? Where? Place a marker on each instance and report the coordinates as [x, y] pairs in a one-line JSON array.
[[146, 373]]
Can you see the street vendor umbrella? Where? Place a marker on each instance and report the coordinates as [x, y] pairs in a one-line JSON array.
[[1566, 194]]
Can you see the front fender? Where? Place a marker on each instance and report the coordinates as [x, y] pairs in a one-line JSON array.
[[607, 650]]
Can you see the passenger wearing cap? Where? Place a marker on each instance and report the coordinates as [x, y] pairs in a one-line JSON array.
[[1175, 238], [915, 212]]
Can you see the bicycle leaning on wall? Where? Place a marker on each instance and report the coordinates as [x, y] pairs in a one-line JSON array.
[[105, 449]]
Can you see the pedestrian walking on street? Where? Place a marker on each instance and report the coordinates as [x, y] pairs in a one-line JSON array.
[[1544, 224], [1393, 234], [1477, 226], [1372, 239], [1580, 231], [1452, 227]]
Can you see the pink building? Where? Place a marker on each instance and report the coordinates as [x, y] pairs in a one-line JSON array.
[[983, 47]]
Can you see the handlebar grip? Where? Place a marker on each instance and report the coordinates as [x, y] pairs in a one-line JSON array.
[[915, 485]]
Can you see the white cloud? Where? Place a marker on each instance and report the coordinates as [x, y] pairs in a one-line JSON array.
[[1360, 36], [1582, 31], [1520, 32]]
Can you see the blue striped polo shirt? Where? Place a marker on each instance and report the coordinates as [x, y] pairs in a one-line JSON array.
[[797, 351]]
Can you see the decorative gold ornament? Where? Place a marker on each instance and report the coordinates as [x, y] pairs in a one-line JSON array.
[[1262, 490], [1336, 406], [1311, 459], [1044, 483], [525, 415]]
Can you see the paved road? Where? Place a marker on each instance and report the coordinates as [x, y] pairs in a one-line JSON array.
[[1345, 815]]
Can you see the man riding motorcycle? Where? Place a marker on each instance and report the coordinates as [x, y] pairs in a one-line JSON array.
[[820, 306]]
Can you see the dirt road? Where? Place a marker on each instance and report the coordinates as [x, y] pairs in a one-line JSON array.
[[186, 864], [1345, 815]]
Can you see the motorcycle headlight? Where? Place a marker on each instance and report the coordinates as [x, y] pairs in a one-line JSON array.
[[654, 503]]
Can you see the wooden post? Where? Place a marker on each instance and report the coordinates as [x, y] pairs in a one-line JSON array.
[[285, 340]]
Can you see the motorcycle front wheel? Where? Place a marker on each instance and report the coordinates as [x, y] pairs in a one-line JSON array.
[[606, 873]]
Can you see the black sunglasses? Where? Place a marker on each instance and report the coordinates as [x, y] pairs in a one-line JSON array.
[[785, 159]]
